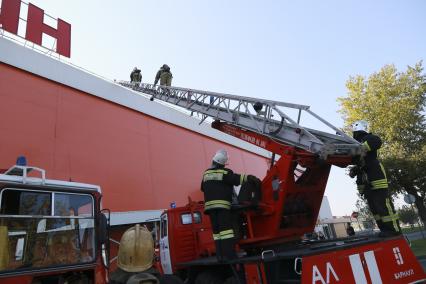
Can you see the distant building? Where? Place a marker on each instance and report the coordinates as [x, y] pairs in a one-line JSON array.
[[332, 226], [325, 210]]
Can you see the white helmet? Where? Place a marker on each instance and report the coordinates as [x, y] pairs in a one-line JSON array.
[[221, 157], [360, 125]]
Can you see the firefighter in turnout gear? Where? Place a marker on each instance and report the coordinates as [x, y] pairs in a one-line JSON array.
[[136, 76], [372, 182], [218, 187], [164, 75]]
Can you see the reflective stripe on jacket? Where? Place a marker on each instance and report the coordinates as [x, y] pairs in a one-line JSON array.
[[218, 185], [372, 174]]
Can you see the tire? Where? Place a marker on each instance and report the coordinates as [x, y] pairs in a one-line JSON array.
[[208, 277], [231, 280], [170, 279]]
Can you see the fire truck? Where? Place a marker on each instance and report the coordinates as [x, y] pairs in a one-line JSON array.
[[269, 222], [51, 231]]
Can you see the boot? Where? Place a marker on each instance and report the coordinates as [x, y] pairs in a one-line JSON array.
[[228, 250], [219, 254], [388, 230]]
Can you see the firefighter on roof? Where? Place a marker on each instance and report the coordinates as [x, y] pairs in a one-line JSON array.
[[164, 75], [136, 76], [372, 182], [218, 185]]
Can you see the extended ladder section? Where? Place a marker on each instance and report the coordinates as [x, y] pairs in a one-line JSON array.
[[266, 117]]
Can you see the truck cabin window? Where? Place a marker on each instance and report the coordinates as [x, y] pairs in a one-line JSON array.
[[186, 218], [42, 229]]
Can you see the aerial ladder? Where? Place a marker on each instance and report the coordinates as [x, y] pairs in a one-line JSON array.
[[267, 118], [272, 221], [293, 188]]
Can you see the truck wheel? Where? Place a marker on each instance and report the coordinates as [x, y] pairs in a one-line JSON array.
[[231, 280], [170, 279], [208, 277]]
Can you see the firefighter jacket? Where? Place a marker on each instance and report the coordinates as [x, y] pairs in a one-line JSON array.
[[218, 186], [371, 174], [165, 77], [136, 76]]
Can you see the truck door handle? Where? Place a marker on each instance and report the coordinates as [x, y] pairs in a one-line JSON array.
[[267, 252], [297, 267]]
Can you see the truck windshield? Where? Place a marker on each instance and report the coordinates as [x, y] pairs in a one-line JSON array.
[[42, 229]]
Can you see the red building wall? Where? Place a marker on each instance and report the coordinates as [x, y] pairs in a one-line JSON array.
[[139, 161]]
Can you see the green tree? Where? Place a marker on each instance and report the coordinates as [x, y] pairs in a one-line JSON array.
[[364, 213], [407, 215], [394, 105]]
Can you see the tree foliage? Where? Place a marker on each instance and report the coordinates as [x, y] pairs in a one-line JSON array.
[[394, 105], [407, 215], [363, 211], [407, 175]]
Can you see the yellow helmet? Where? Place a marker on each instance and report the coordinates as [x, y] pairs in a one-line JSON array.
[[136, 250]]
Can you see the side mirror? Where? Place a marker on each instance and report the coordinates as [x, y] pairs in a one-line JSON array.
[[103, 236], [103, 227]]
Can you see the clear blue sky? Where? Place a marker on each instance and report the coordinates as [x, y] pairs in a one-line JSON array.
[[294, 51]]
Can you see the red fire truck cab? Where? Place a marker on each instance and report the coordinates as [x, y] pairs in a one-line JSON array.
[[51, 231]]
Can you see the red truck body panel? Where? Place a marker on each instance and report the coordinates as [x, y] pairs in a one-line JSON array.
[[390, 261]]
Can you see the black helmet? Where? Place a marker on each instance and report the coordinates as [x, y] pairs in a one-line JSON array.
[[258, 106], [166, 67]]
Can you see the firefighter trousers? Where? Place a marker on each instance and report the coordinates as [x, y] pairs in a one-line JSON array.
[[381, 206], [223, 234]]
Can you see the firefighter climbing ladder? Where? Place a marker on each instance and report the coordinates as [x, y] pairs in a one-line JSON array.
[[266, 117]]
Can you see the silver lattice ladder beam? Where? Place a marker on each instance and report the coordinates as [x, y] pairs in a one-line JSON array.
[[266, 117]]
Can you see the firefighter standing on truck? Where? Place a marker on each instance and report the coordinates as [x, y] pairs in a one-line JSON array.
[[372, 182], [218, 186]]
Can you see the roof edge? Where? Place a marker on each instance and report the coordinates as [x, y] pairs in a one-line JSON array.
[[52, 69]]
